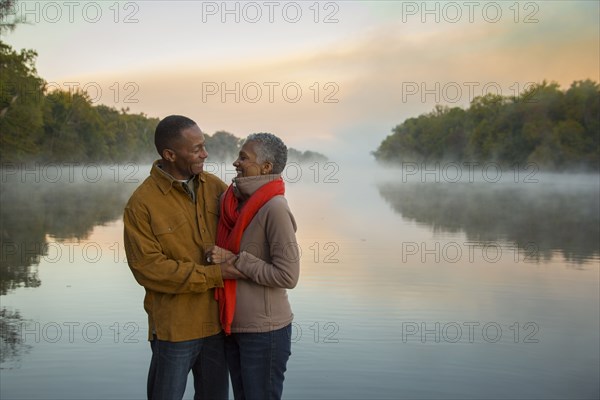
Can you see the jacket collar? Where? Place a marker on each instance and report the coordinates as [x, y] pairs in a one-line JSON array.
[[244, 187], [164, 180]]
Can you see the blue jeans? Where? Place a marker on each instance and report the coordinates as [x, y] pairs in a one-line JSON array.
[[257, 362], [171, 364]]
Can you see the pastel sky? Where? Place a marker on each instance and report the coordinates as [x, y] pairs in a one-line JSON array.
[[331, 76]]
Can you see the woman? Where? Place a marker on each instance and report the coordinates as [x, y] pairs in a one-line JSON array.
[[257, 234]]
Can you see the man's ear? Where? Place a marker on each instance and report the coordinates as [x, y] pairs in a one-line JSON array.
[[168, 155]]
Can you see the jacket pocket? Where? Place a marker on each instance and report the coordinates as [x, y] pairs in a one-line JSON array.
[[211, 207], [168, 224], [267, 297]]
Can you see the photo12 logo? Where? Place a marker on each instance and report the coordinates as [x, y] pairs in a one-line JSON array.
[[469, 171], [270, 12], [54, 12], [471, 252], [471, 332], [470, 11], [271, 92], [76, 332], [95, 92], [316, 172], [53, 252], [68, 172], [117, 92], [460, 92]]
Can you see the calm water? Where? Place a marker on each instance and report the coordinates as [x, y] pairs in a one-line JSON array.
[[414, 285]]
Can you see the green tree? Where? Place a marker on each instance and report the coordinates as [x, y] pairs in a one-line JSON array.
[[65, 126], [21, 101], [73, 128], [438, 135], [222, 146], [545, 125], [7, 8]]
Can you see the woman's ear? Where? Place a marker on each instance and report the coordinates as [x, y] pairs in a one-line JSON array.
[[266, 168]]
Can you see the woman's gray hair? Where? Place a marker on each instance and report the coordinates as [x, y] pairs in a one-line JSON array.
[[269, 148]]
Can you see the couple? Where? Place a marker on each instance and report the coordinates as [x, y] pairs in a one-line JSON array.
[[215, 262]]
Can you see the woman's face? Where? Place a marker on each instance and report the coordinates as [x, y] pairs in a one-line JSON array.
[[246, 163]]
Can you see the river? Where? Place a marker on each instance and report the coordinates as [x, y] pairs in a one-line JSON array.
[[416, 283]]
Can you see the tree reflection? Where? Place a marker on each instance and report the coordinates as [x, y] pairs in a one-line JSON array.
[[551, 217], [12, 346], [34, 211]]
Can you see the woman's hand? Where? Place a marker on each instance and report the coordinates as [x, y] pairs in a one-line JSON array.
[[218, 255]]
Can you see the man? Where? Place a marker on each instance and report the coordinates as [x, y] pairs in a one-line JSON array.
[[170, 222]]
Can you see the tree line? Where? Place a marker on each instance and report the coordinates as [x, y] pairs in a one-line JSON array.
[[37, 124], [556, 129]]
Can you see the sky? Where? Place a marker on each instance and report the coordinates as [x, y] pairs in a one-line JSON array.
[[329, 76]]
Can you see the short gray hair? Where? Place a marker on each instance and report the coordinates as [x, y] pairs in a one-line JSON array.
[[271, 149]]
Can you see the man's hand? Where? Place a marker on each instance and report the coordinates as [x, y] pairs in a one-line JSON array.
[[229, 271], [219, 255]]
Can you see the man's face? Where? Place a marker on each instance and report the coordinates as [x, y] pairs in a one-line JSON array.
[[189, 153], [246, 164]]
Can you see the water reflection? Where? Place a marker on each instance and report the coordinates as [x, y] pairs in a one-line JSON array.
[[33, 211], [12, 345], [363, 302], [550, 216]]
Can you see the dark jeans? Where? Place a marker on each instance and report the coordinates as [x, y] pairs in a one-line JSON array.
[[171, 364], [257, 362]]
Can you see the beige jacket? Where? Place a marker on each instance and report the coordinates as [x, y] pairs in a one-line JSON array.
[[269, 256]]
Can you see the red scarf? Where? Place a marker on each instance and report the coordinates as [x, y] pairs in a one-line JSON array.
[[232, 224]]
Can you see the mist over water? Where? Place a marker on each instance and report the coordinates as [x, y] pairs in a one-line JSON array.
[[414, 283], [558, 213]]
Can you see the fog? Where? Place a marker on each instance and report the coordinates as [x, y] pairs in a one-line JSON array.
[[359, 285]]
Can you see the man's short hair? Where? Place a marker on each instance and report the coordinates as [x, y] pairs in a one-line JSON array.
[[169, 130], [269, 148]]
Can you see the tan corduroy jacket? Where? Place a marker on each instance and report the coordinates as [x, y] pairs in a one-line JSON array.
[[269, 256], [166, 236]]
